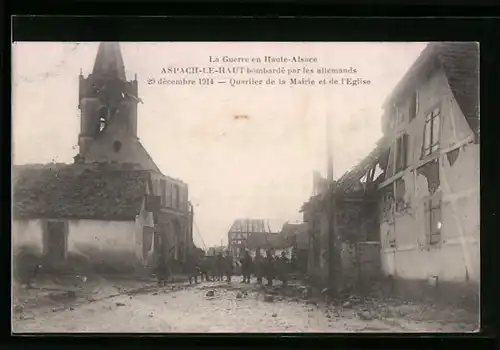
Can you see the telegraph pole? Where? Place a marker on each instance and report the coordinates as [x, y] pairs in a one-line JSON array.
[[331, 208]]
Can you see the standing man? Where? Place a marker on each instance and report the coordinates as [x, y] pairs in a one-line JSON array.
[[204, 269], [283, 265], [246, 266], [229, 266], [219, 267], [161, 266], [258, 266], [192, 268], [270, 268]]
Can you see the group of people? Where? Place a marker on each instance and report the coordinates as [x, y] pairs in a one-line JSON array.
[[267, 267], [215, 268]]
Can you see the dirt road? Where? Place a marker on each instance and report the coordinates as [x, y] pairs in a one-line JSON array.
[[218, 307]]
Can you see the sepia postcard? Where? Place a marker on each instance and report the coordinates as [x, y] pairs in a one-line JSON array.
[[231, 187]]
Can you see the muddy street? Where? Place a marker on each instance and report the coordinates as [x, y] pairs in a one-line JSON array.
[[218, 307]]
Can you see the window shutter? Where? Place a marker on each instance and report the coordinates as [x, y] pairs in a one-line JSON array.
[[427, 219], [405, 151]]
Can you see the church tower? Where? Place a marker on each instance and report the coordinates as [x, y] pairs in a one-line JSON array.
[[108, 105]]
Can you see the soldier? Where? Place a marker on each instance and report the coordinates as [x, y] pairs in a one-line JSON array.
[[204, 269], [219, 267], [162, 268], [192, 268], [258, 266], [269, 267], [228, 266], [283, 265], [246, 266]]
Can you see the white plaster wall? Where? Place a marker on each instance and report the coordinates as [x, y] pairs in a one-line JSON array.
[[97, 240], [143, 219], [447, 262], [457, 258], [27, 234], [101, 236]]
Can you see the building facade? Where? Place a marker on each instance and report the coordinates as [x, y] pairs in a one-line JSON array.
[[430, 195], [411, 208]]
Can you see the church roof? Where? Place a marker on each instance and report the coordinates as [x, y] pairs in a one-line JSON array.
[[78, 192], [109, 61]]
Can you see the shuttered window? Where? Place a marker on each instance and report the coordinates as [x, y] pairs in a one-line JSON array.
[[433, 221], [432, 132]]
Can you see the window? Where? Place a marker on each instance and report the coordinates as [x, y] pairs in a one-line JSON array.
[[391, 238], [399, 191], [163, 192], [169, 195], [402, 153], [413, 106], [433, 222], [177, 196], [399, 115], [431, 132]]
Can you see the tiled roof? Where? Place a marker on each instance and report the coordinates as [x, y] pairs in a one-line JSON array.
[[460, 62], [78, 192]]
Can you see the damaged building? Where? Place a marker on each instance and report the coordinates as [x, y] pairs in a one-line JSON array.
[[113, 208], [410, 210], [350, 258], [430, 194]]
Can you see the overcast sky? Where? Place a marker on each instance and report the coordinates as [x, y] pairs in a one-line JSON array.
[[258, 167]]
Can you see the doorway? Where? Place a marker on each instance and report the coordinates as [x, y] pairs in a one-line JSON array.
[[56, 241]]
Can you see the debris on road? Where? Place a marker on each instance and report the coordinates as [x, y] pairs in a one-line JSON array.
[[268, 298], [119, 304], [210, 293], [274, 315], [347, 305], [365, 315], [18, 308]]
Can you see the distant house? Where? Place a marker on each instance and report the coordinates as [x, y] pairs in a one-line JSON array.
[[211, 251], [247, 234]]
